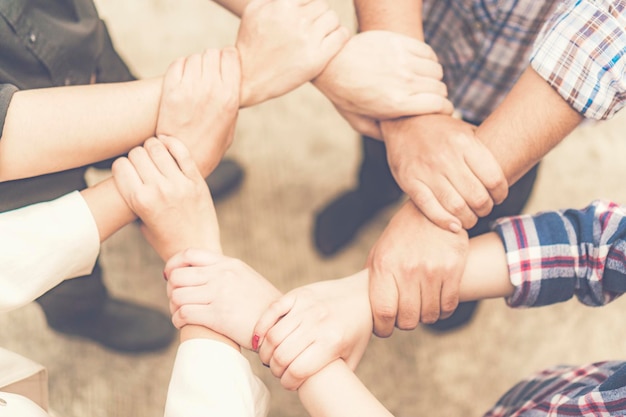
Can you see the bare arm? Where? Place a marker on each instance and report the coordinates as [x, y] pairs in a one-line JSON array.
[[525, 127], [401, 16], [53, 129]]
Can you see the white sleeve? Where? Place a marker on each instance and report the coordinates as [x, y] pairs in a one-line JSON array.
[[44, 244], [211, 378], [13, 405]]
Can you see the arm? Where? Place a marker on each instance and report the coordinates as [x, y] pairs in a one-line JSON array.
[[532, 260], [525, 127], [282, 44], [75, 125], [400, 16]]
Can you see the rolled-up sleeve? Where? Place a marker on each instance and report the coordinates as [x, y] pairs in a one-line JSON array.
[[580, 53], [6, 94], [44, 244], [554, 256]]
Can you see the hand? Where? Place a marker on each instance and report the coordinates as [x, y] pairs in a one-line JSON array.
[[384, 75], [200, 102], [415, 272], [285, 43], [161, 184], [444, 168], [214, 291], [312, 326]]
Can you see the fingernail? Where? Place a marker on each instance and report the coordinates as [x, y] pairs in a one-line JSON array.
[[164, 276], [255, 342], [455, 227]]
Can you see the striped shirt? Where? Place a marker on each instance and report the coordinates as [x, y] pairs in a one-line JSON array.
[[577, 46], [552, 257]]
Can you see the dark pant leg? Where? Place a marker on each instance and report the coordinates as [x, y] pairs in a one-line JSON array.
[[375, 177], [75, 296]]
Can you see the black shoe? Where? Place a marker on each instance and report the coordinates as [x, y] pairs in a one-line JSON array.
[[225, 178], [461, 316], [337, 224], [121, 326]]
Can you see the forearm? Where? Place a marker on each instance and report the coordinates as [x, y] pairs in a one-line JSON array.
[[53, 129], [401, 16], [526, 126], [337, 391], [236, 7]]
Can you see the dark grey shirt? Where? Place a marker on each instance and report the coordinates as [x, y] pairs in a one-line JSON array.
[[47, 43]]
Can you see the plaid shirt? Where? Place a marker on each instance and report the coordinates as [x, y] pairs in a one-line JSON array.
[[485, 45], [552, 257]]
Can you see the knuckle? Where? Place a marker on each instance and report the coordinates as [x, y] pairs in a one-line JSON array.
[[430, 317], [280, 360], [407, 322], [448, 306]]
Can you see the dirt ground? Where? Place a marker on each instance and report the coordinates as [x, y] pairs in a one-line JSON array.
[[298, 153]]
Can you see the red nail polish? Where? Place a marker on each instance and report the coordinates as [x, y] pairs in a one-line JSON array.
[[255, 342]]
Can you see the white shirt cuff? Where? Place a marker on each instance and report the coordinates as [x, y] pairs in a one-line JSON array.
[[43, 244], [213, 379]]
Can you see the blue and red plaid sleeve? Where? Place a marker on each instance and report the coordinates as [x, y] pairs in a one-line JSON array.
[[554, 256], [597, 389], [581, 53]]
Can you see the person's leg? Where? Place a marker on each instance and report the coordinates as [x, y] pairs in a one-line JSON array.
[[82, 306], [338, 222]]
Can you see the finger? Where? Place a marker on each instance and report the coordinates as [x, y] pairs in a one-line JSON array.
[[182, 158], [199, 294], [314, 9], [276, 335], [422, 85], [430, 287], [334, 41], [288, 350], [161, 157], [312, 360], [174, 74], [488, 170], [326, 23], [426, 103], [418, 48], [126, 177], [383, 294], [230, 68], [422, 67], [191, 257], [192, 314], [422, 196], [193, 68], [144, 165], [449, 298], [455, 204], [271, 316], [409, 302], [472, 190]]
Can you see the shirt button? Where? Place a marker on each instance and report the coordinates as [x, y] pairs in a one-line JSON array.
[[68, 81], [32, 38]]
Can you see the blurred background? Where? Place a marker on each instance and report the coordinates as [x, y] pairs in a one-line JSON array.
[[298, 154]]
